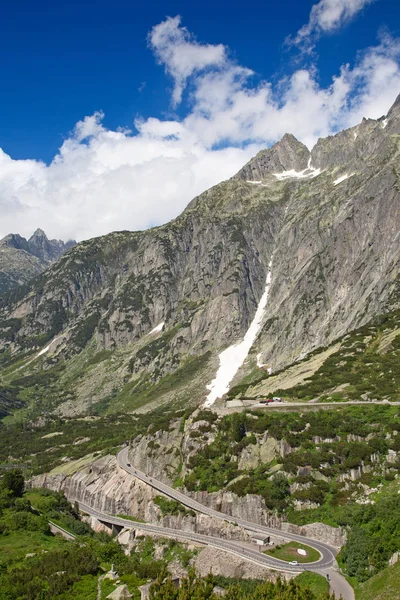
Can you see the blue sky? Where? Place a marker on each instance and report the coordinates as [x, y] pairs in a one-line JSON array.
[[66, 60], [184, 89]]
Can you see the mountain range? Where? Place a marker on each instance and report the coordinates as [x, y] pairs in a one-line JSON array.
[[130, 320], [22, 259]]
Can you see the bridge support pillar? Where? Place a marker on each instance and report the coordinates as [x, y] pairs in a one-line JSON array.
[[116, 529]]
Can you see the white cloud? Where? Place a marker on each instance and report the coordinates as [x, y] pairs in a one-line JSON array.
[[175, 48], [113, 181], [89, 127], [103, 180], [327, 16]]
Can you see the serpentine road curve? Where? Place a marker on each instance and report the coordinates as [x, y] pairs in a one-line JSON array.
[[327, 552], [232, 546], [325, 565]]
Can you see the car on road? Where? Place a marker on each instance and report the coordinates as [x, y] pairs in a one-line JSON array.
[[128, 464], [294, 563]]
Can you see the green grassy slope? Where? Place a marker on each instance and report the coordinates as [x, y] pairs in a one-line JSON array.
[[316, 583], [383, 586], [365, 365]]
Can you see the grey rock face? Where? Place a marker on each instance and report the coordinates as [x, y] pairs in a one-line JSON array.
[[285, 155], [212, 560], [337, 255], [105, 487], [202, 275]]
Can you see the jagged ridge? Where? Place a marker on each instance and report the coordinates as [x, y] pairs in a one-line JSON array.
[[335, 267]]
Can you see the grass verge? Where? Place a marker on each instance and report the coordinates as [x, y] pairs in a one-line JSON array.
[[288, 552]]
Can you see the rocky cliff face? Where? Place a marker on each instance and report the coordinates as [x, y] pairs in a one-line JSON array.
[[21, 259], [165, 302], [107, 488], [166, 454]]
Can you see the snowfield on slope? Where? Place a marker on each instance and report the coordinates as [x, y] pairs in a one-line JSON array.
[[231, 359]]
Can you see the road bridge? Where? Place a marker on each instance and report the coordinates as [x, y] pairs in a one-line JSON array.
[[232, 546]]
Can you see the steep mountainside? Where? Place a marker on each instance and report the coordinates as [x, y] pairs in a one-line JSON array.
[[21, 259], [138, 318]]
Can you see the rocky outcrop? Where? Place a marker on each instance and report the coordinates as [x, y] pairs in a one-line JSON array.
[[334, 536], [255, 454], [212, 560], [250, 507], [159, 454], [107, 488], [165, 454]]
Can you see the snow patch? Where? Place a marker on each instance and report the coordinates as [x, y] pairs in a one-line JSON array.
[[43, 351], [48, 347], [158, 328], [355, 135], [308, 173], [231, 359], [384, 123], [342, 178], [254, 182], [259, 363]]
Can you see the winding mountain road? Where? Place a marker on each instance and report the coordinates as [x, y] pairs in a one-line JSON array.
[[233, 546], [324, 566], [327, 552]]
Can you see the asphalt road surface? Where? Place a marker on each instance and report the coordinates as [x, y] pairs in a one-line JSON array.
[[232, 546]]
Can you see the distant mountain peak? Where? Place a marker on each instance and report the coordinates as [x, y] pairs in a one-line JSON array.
[[14, 240], [45, 249], [39, 233], [22, 259]]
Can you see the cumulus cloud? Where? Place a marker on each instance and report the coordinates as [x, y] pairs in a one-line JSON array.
[[103, 180], [325, 17], [89, 127], [175, 48], [113, 181]]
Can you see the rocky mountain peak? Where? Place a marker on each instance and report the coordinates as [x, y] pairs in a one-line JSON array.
[[45, 249], [14, 240], [287, 154], [22, 259], [39, 233]]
